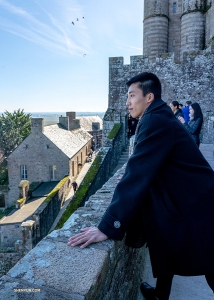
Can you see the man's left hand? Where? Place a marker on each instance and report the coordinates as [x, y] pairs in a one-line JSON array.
[[88, 236]]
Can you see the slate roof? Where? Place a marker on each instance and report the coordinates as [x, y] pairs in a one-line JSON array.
[[86, 122], [69, 142]]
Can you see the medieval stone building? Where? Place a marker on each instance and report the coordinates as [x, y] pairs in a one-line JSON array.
[[48, 154], [178, 46]]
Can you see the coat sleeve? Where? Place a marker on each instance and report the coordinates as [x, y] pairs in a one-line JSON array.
[[195, 127], [154, 144]]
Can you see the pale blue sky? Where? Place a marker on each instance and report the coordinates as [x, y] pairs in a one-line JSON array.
[[49, 64]]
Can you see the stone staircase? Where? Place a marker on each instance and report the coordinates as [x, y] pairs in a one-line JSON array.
[[122, 160]]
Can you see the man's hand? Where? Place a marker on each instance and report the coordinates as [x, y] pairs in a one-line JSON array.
[[88, 236]]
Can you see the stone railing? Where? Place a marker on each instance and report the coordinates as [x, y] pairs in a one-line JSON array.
[[106, 270]]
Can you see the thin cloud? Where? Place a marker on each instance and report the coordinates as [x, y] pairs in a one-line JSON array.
[[129, 48], [55, 33]]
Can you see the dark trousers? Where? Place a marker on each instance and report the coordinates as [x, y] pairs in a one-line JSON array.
[[164, 283]]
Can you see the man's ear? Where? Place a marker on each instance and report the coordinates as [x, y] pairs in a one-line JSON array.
[[150, 98]]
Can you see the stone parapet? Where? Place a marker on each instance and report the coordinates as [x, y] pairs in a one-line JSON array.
[[191, 79], [53, 270]]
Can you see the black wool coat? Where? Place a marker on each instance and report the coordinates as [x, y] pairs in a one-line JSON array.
[[168, 191]]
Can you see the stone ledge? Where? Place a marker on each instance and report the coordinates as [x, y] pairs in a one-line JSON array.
[[73, 273]]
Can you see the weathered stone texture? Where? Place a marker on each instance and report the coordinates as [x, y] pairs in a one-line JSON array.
[[155, 38], [10, 233], [8, 259], [156, 7], [193, 79], [210, 25], [73, 273], [177, 26], [192, 32]]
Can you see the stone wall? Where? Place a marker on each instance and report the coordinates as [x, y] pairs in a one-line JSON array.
[[45, 215], [10, 233], [175, 28], [209, 30], [190, 25], [57, 271], [8, 258], [193, 79]]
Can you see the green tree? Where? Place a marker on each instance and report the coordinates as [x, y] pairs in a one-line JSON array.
[[14, 127]]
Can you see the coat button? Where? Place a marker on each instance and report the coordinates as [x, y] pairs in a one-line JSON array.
[[117, 224]]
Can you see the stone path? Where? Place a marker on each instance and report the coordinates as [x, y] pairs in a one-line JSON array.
[[28, 209], [185, 288]]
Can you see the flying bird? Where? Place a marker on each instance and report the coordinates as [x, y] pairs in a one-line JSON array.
[[77, 19], [72, 23], [84, 55], [83, 17]]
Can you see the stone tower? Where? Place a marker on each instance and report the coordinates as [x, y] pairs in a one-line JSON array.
[[156, 27], [193, 25], [177, 26]]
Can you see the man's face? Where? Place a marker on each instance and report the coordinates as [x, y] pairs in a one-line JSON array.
[[136, 102]]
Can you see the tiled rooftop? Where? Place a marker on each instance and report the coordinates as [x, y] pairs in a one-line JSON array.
[[69, 142], [86, 122]]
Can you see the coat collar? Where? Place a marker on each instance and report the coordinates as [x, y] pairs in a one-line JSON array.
[[154, 105]]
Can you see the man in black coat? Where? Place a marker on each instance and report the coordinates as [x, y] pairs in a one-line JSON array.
[[170, 205]]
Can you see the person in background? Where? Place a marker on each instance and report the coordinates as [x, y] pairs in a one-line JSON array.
[[174, 105], [75, 185], [195, 123], [181, 106], [186, 112]]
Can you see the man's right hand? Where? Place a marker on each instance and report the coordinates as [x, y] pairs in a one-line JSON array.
[[88, 236]]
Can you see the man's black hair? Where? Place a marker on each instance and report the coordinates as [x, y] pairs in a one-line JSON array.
[[188, 102], [148, 83]]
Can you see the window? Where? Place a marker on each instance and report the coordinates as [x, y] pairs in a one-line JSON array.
[[48, 146], [173, 43], [174, 7], [187, 39], [53, 172], [26, 146], [156, 3], [23, 170]]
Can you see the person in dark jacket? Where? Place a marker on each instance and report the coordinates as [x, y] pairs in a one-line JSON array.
[[195, 123], [186, 111], [176, 223], [74, 185], [174, 105]]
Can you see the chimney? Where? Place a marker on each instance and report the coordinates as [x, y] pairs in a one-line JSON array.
[[64, 121], [73, 122], [95, 126], [37, 125]]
